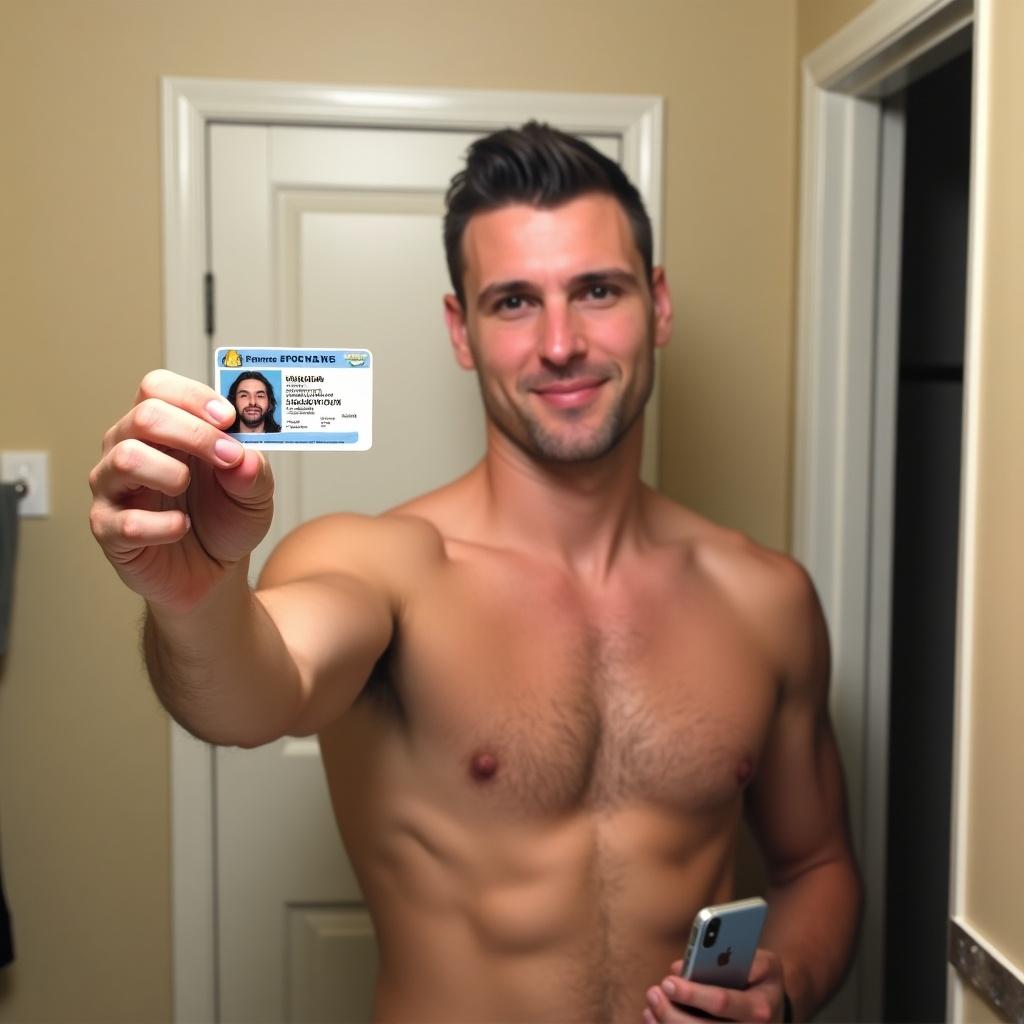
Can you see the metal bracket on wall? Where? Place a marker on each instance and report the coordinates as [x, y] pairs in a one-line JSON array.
[[1000, 985]]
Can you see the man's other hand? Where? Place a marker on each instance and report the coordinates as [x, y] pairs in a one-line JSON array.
[[761, 1001]]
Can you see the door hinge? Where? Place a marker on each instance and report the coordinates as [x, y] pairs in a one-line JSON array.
[[208, 303]]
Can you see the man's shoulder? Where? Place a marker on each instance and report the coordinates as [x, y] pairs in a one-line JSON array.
[[764, 575], [352, 544], [777, 598], [770, 589], [772, 583]]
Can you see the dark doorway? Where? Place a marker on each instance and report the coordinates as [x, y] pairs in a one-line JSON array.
[[937, 111]]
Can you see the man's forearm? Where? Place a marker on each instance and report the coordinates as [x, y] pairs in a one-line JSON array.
[[812, 926], [222, 669]]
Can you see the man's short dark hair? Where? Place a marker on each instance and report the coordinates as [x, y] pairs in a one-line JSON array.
[[270, 425], [543, 167]]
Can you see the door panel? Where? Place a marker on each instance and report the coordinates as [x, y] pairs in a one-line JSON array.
[[332, 958], [369, 275]]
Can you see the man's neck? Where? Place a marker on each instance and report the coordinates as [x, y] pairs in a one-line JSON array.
[[585, 514]]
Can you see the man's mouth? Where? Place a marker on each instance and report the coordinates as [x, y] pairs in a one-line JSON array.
[[570, 393]]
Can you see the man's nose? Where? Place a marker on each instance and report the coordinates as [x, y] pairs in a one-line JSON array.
[[562, 336]]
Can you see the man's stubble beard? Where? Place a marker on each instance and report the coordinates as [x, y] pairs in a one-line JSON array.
[[539, 442]]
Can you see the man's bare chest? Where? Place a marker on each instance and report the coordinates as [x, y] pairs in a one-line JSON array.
[[530, 699]]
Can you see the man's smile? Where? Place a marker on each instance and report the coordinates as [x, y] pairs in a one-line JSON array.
[[569, 394]]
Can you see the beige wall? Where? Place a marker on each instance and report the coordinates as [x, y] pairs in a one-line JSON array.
[[976, 1010], [83, 746], [819, 19]]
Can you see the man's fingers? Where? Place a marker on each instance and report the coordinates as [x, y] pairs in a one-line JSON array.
[[723, 1003], [187, 394], [159, 423], [667, 1010], [132, 464], [122, 532], [250, 482]]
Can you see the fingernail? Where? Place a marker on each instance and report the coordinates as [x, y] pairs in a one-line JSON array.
[[227, 451], [652, 998], [218, 409], [669, 986], [188, 522]]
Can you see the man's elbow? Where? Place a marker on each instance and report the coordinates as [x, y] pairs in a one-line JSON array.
[[241, 734]]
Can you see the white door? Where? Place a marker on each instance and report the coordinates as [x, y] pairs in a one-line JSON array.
[[327, 237]]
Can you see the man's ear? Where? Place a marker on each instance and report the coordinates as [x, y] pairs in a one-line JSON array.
[[455, 319], [662, 300]]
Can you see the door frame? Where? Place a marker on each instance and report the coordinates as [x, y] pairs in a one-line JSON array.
[[846, 345], [189, 105]]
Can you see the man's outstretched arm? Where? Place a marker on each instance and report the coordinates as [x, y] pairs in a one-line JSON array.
[[244, 668]]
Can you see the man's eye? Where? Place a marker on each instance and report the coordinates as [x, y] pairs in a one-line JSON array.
[[601, 293], [511, 304]]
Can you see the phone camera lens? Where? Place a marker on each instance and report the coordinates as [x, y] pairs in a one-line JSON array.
[[711, 935]]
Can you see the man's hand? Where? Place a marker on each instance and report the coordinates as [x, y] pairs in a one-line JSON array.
[[176, 501], [761, 1001]]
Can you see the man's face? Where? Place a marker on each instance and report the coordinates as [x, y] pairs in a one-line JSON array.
[[252, 403], [560, 324]]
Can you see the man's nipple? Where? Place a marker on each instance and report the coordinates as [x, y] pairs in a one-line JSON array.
[[483, 766], [744, 771]]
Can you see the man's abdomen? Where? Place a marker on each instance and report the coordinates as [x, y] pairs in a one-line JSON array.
[[569, 921]]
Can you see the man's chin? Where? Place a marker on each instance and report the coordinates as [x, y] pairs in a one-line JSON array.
[[569, 446], [567, 443], [573, 453]]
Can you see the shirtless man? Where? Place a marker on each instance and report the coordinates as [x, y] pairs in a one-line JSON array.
[[544, 693]]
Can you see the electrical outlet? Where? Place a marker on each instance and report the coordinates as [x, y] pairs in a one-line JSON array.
[[33, 470]]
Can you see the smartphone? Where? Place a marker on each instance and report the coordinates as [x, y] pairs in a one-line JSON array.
[[723, 943]]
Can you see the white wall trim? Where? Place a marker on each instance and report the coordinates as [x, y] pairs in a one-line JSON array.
[[887, 46], [882, 48], [188, 106], [978, 221]]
